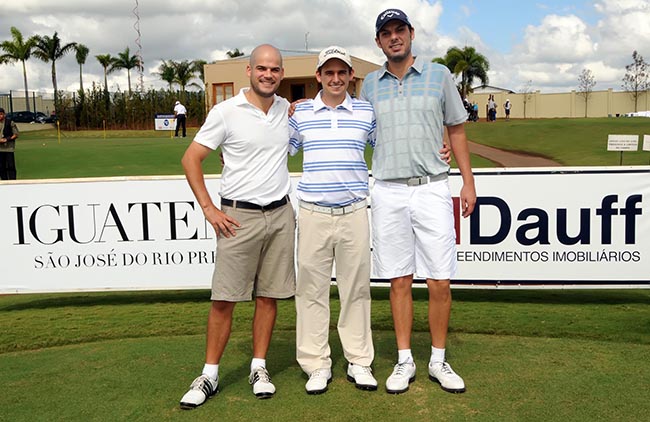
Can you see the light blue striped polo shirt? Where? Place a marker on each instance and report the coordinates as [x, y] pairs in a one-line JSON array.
[[333, 142], [411, 114]]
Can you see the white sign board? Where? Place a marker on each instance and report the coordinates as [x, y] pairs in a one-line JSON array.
[[622, 142], [646, 142], [149, 233], [165, 122]]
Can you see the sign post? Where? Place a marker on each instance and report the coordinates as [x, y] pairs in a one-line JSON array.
[[622, 143]]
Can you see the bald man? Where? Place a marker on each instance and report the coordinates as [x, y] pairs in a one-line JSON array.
[[255, 224]]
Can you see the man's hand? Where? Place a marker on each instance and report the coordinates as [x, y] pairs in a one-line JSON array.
[[222, 223], [467, 200], [445, 153], [292, 106]]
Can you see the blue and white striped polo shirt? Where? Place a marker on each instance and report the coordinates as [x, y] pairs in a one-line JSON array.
[[333, 142], [411, 114]]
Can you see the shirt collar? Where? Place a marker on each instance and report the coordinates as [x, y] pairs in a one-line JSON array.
[[345, 105], [240, 99], [417, 66]]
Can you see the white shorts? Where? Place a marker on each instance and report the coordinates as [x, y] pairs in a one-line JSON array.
[[413, 230]]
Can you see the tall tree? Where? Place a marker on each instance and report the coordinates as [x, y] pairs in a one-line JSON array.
[[184, 73], [81, 54], [234, 53], [586, 83], [637, 78], [106, 60], [49, 49], [199, 69], [125, 60], [469, 64], [18, 49], [166, 72]]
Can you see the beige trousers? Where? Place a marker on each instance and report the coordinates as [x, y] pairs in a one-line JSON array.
[[323, 239]]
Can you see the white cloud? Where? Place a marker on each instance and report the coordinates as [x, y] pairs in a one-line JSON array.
[[551, 53]]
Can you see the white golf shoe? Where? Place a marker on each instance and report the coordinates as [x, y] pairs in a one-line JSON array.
[[202, 388], [362, 377], [449, 381], [318, 380], [263, 388], [403, 374]]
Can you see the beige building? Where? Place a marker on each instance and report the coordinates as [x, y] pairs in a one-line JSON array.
[[225, 78]]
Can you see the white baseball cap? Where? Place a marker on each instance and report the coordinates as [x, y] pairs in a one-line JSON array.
[[333, 52]]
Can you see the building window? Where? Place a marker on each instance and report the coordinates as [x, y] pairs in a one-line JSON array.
[[221, 92]]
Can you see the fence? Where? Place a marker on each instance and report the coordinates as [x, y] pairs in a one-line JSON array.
[[35, 101], [607, 103]]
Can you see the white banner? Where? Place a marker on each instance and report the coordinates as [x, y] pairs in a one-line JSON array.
[[165, 122], [560, 226]]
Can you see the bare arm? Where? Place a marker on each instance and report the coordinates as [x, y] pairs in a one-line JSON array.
[[459, 147], [192, 160]]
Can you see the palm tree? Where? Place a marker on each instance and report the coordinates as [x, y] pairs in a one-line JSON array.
[[18, 50], [199, 68], [81, 54], [106, 60], [234, 53], [468, 63], [166, 72], [49, 49], [125, 60], [184, 73]]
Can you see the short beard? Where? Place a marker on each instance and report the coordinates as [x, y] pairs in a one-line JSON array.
[[263, 94]]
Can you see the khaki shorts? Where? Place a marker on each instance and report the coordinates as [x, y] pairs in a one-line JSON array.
[[259, 260]]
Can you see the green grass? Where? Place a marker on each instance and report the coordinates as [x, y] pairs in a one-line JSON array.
[[525, 355], [571, 142], [121, 153]]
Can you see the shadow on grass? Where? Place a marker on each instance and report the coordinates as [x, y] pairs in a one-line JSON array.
[[568, 297], [61, 300]]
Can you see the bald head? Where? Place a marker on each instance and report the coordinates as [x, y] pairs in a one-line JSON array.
[[265, 51]]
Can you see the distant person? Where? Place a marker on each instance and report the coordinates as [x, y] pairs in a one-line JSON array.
[[255, 226], [492, 109], [332, 130], [412, 209], [180, 112], [7, 147], [507, 106]]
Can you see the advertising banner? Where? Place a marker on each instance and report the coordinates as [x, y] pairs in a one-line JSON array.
[[531, 227], [165, 122]]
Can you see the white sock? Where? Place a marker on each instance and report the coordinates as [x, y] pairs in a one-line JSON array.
[[258, 363], [404, 356], [437, 355], [211, 370]]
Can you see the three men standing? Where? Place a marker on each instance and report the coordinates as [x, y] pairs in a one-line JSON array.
[[413, 224]]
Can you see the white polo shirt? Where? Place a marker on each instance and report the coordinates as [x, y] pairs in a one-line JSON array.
[[180, 109], [255, 147]]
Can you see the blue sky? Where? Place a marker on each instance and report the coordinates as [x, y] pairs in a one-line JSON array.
[[546, 42]]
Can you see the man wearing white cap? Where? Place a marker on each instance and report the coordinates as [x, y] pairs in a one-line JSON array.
[[333, 129], [180, 112], [412, 211]]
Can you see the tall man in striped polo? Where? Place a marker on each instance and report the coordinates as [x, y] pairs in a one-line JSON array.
[[412, 212], [333, 129]]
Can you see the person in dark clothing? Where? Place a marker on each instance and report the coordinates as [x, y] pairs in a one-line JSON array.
[[7, 147]]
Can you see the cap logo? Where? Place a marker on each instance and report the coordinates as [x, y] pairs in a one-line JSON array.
[[333, 51], [389, 14]]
